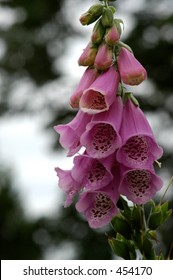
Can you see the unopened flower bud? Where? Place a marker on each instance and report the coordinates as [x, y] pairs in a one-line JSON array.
[[103, 58], [92, 14], [84, 18], [98, 33], [118, 23], [112, 36], [88, 56], [131, 71], [107, 17]]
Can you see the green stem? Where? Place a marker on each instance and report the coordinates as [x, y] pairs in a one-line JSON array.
[[143, 219], [106, 3], [170, 182]]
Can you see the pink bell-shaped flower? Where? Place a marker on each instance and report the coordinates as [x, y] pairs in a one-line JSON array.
[[87, 79], [139, 185], [102, 92], [131, 71], [101, 137], [92, 173], [99, 207], [68, 185], [70, 133], [139, 148]]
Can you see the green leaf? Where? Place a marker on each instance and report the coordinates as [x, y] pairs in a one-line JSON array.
[[137, 239], [121, 226], [148, 249], [112, 9], [107, 17], [134, 100], [165, 212], [155, 220], [120, 248], [137, 214], [124, 208]]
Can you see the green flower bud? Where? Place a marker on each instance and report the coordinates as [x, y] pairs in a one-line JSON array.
[[84, 18], [112, 8], [98, 33], [117, 23], [107, 17], [92, 14], [87, 58]]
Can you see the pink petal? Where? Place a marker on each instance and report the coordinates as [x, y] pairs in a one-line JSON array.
[[101, 137], [103, 58], [70, 133], [99, 207], [131, 70], [92, 173], [139, 185], [101, 94], [139, 147], [87, 79], [68, 185]]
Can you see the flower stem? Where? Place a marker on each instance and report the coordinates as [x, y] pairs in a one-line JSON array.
[[106, 3], [170, 182]]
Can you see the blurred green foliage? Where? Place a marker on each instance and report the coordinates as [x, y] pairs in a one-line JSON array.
[[40, 26]]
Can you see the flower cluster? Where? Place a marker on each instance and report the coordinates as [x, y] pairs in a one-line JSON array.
[[119, 146]]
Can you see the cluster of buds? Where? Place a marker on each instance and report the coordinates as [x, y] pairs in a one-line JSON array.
[[119, 146], [105, 36]]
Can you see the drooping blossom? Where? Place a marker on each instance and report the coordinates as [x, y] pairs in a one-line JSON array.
[[92, 173], [99, 207], [87, 79], [131, 71], [139, 147], [70, 133], [88, 55], [68, 185], [103, 58], [139, 185], [101, 137], [102, 92]]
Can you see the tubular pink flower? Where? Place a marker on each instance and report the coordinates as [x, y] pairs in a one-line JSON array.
[[103, 58], [101, 137], [131, 71], [102, 93], [139, 147], [68, 185], [70, 133], [139, 185], [99, 207], [92, 173], [87, 79]]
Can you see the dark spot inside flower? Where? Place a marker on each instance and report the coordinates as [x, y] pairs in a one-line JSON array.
[[96, 173], [103, 137], [138, 181], [103, 204], [136, 149]]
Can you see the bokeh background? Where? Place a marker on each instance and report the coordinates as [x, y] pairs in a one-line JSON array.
[[40, 42]]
